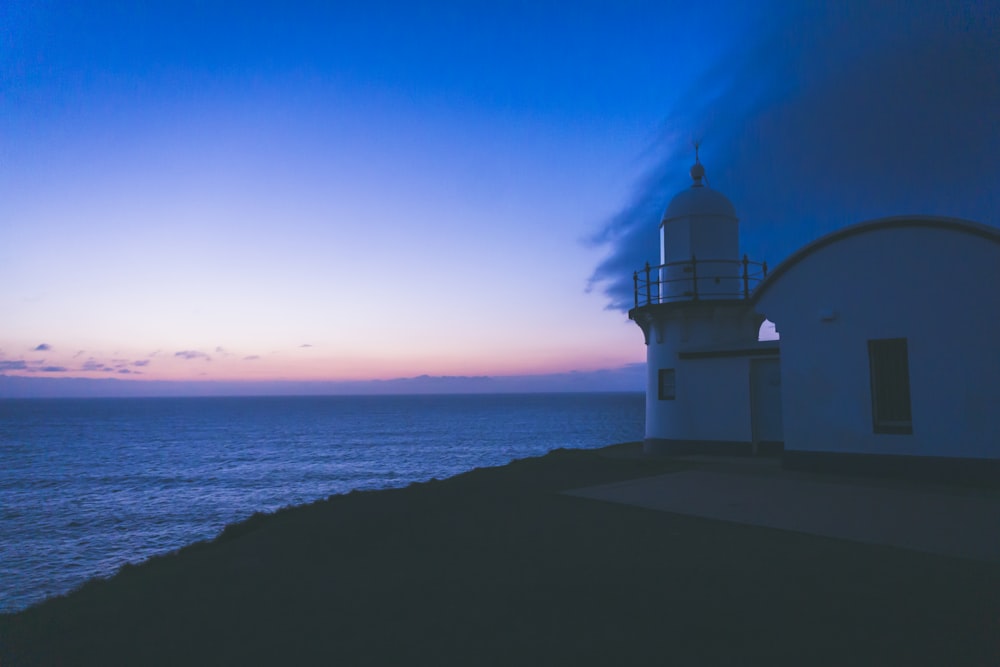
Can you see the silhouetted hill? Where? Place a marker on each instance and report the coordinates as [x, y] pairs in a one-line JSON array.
[[627, 378]]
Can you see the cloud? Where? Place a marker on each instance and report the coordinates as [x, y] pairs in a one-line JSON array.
[[192, 354], [838, 113], [306, 345], [93, 365], [251, 357], [43, 347], [13, 366], [141, 362], [53, 369]]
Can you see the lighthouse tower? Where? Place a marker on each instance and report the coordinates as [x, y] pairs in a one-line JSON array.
[[704, 362]]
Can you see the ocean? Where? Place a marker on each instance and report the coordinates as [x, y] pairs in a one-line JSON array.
[[87, 485]]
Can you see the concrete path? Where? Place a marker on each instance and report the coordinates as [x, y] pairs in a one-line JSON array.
[[947, 521]]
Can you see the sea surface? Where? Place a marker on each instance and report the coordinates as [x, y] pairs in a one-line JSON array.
[[87, 485]]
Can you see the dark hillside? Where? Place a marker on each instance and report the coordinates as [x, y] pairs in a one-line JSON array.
[[495, 567]]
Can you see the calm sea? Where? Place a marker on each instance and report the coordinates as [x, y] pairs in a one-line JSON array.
[[88, 485]]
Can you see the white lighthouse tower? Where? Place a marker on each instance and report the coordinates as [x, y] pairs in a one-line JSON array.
[[712, 387]]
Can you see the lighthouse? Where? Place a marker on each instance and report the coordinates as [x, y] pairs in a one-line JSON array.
[[712, 387]]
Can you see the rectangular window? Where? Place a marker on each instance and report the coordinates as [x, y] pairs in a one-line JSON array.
[[667, 384], [890, 377]]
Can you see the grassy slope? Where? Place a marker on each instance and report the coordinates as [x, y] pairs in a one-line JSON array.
[[494, 567]]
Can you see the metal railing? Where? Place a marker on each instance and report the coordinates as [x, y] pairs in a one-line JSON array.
[[697, 279]]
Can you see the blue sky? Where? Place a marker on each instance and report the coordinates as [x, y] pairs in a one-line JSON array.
[[353, 191]]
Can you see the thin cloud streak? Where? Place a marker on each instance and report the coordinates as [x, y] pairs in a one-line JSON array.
[[13, 365], [92, 365], [192, 354]]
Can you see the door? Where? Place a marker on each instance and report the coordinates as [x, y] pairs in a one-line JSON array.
[[765, 404]]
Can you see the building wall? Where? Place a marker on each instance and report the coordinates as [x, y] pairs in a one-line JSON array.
[[938, 286], [712, 400], [706, 238]]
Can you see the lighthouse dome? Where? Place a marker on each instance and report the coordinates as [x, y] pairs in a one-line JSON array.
[[699, 223], [699, 200]]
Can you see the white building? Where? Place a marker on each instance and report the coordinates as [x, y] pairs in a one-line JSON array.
[[890, 347], [890, 343], [712, 387]]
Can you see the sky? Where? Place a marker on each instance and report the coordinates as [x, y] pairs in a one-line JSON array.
[[257, 195]]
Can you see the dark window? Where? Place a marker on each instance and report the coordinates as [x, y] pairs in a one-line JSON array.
[[668, 384], [890, 374]]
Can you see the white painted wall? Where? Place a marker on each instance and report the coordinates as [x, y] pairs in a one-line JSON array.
[[936, 286], [707, 238], [712, 395]]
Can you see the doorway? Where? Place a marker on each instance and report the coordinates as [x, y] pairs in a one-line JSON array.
[[765, 406]]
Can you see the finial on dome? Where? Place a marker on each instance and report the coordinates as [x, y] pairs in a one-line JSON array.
[[697, 170]]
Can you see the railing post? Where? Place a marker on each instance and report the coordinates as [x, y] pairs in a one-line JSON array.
[[746, 278], [635, 287], [648, 296], [765, 269], [694, 275]]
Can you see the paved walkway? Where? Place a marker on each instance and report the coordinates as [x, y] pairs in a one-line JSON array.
[[951, 521]]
